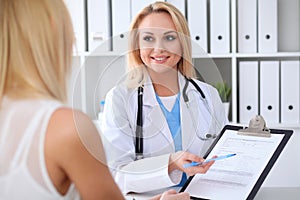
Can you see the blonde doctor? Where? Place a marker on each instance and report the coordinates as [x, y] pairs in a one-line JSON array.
[[160, 117]]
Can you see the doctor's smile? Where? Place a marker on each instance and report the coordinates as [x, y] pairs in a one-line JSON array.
[[159, 59]]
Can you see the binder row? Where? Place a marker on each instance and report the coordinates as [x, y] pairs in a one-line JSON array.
[[271, 89], [103, 24], [257, 26], [97, 21]]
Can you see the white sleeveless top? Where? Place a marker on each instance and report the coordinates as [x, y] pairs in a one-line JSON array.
[[23, 172]]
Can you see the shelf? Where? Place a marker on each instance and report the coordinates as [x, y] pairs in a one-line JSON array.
[[209, 55], [271, 126], [104, 54], [267, 55]]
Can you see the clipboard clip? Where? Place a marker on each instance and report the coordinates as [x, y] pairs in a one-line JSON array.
[[257, 127]]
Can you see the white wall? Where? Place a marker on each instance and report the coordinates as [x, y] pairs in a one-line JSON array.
[[286, 171]]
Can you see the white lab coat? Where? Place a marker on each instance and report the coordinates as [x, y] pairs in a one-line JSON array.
[[119, 124]]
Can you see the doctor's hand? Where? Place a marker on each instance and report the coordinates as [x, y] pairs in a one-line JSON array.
[[172, 195], [178, 159]]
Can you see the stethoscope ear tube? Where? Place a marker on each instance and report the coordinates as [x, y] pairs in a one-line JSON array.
[[184, 93], [197, 87], [139, 126]]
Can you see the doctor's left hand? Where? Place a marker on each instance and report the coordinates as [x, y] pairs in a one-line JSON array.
[[178, 159]]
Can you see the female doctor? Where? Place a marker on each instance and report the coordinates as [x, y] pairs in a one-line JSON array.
[[159, 119]]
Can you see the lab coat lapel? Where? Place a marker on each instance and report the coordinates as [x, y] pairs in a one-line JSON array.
[[155, 121]]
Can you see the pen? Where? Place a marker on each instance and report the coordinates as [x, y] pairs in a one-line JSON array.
[[192, 164]]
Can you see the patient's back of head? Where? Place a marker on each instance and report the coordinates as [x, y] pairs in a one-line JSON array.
[[36, 38]]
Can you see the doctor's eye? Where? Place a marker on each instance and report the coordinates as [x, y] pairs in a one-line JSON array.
[[148, 38], [170, 37]]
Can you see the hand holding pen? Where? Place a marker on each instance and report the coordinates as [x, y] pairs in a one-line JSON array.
[[193, 164], [178, 159]]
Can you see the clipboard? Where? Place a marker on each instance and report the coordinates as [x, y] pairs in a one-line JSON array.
[[239, 177]]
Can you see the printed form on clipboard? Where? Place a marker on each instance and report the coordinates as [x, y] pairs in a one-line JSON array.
[[240, 177]]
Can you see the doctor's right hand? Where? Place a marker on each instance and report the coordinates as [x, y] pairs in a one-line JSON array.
[[178, 159]]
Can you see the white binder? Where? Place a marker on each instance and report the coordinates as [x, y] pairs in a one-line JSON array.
[[180, 4], [290, 89], [197, 20], [138, 5], [269, 91], [99, 36], [120, 24], [248, 90], [78, 19], [289, 31], [219, 26], [247, 26], [267, 26]]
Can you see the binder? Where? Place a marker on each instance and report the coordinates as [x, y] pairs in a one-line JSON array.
[[120, 24], [197, 21], [240, 177], [267, 26], [248, 90], [77, 12], [269, 90], [290, 90], [247, 26], [74, 86], [289, 31], [99, 34], [138, 5], [180, 4], [219, 26]]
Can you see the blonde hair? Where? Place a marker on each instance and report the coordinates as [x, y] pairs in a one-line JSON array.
[[36, 38], [135, 64]]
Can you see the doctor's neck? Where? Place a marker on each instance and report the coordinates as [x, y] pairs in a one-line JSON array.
[[165, 85]]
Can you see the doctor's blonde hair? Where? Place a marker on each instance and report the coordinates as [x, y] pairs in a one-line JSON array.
[[137, 70], [36, 48]]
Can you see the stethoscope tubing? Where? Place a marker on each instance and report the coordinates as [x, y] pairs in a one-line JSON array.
[[139, 148], [139, 126]]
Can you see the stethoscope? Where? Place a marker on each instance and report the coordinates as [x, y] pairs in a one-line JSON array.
[[139, 122]]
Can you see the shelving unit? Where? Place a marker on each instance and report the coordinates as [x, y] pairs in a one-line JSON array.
[[91, 67]]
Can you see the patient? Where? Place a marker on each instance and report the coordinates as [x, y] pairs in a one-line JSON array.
[[47, 150]]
